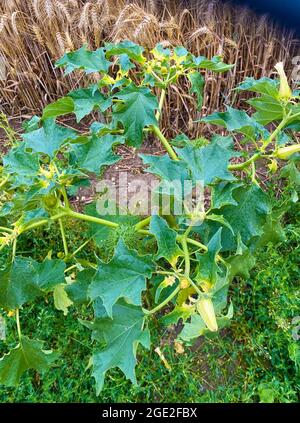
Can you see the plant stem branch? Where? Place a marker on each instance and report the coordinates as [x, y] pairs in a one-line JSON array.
[[4, 229], [63, 236], [143, 223], [70, 268], [186, 257], [241, 166], [277, 130], [196, 243], [65, 195], [91, 219], [163, 303], [164, 142], [14, 250], [43, 222], [81, 247], [199, 292], [161, 103], [18, 324]]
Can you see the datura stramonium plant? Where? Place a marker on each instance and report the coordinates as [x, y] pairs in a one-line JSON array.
[[169, 266]]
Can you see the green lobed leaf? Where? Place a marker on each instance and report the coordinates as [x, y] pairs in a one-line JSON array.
[[77, 291], [28, 354], [122, 334], [172, 173], [193, 329], [49, 273], [48, 139], [247, 217], [242, 262], [62, 106], [219, 218], [209, 163], [180, 312], [166, 240], [89, 61], [82, 102], [222, 194], [272, 231], [18, 162], [129, 48], [25, 279], [97, 152], [235, 120], [86, 100], [267, 109], [291, 172], [101, 234], [31, 124], [135, 111], [123, 277], [165, 167], [197, 87], [215, 64], [263, 85]]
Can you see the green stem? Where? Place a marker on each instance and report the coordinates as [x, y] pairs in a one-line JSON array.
[[241, 166], [63, 236], [277, 130], [70, 268], [143, 223], [163, 303], [157, 77], [188, 265], [201, 246], [187, 232], [43, 222], [81, 247], [170, 219], [161, 103], [4, 229], [65, 195], [155, 129], [196, 243], [18, 324], [199, 292], [14, 250], [186, 257], [91, 219], [282, 124]]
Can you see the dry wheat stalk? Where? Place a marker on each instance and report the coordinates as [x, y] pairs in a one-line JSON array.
[[34, 33]]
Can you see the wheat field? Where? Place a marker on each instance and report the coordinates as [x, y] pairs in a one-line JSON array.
[[34, 33]]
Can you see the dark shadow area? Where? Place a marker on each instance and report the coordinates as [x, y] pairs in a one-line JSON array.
[[286, 13]]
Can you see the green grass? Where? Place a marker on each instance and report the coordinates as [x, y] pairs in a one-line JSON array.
[[255, 359]]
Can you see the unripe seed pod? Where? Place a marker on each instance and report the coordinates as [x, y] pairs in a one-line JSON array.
[[206, 310], [50, 201]]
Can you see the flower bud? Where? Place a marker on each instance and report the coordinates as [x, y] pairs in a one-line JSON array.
[[285, 152], [206, 310], [285, 92], [273, 166]]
